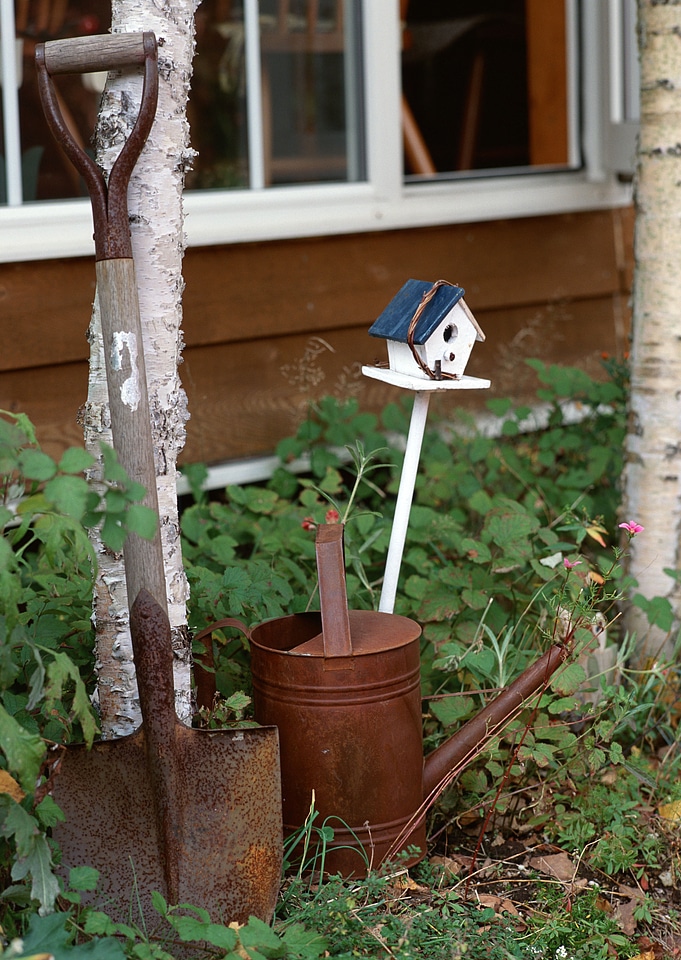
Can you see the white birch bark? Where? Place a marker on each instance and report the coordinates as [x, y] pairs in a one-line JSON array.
[[653, 471], [155, 208]]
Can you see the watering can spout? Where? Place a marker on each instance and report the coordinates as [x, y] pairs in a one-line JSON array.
[[444, 763]]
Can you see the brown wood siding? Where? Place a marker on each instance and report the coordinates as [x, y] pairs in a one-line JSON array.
[[554, 287]]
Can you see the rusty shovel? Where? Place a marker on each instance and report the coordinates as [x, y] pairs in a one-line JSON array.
[[193, 814]]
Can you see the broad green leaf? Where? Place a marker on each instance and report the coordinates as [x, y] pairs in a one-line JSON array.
[[659, 611], [483, 662], [83, 878], [480, 502], [48, 812], [18, 824], [38, 865], [509, 528], [563, 704], [46, 934], [306, 944], [107, 949], [75, 460], [116, 500], [113, 471], [98, 923], [113, 534], [189, 928], [60, 671], [259, 935], [24, 750], [69, 495], [141, 520], [568, 680], [159, 903], [499, 406], [222, 548], [475, 550], [451, 710], [36, 465]]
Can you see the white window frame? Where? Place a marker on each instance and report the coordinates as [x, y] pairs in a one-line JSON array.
[[46, 230]]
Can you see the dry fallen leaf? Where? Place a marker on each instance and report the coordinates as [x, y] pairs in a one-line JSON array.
[[648, 955], [670, 811], [609, 778], [9, 786], [450, 865], [624, 914], [557, 865], [403, 884]]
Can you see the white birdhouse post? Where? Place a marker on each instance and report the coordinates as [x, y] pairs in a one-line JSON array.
[[430, 333]]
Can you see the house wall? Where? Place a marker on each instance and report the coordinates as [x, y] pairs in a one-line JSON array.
[[269, 326]]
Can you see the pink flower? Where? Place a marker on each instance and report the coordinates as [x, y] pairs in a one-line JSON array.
[[332, 516], [632, 528], [569, 564], [308, 524]]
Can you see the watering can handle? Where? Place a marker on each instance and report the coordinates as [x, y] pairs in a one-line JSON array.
[[332, 590]]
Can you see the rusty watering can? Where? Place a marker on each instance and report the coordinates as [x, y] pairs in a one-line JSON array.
[[193, 814], [344, 689]]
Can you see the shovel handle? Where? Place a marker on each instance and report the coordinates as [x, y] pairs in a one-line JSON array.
[[82, 55], [130, 416], [89, 54]]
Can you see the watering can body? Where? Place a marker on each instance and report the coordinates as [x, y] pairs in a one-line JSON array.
[[350, 731], [343, 687]]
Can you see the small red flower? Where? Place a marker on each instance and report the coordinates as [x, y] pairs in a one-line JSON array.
[[332, 516], [308, 524], [569, 564]]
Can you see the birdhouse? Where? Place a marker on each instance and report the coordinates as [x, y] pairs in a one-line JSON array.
[[442, 338]]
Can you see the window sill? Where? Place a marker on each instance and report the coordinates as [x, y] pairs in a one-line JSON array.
[[41, 231]]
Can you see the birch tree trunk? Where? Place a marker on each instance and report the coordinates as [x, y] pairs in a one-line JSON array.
[[155, 208], [653, 471]]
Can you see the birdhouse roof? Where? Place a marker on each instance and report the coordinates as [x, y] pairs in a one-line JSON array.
[[393, 323]]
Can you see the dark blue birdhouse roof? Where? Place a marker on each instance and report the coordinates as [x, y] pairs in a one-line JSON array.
[[393, 323]]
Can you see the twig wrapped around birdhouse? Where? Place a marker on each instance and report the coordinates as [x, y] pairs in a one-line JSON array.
[[438, 373]]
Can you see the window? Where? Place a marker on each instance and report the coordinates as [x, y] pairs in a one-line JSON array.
[[306, 115]]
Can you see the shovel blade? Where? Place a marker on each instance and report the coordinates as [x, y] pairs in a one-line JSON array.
[[230, 844]]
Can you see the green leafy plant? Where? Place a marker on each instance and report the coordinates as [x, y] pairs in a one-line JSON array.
[[512, 545], [47, 571]]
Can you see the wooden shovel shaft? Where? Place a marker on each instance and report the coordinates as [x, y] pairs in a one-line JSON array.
[[88, 54], [152, 647], [130, 418]]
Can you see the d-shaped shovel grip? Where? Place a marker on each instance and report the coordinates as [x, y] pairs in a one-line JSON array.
[[83, 55], [88, 54]]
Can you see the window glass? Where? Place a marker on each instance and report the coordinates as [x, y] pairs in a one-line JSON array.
[[46, 173], [485, 85], [308, 128]]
